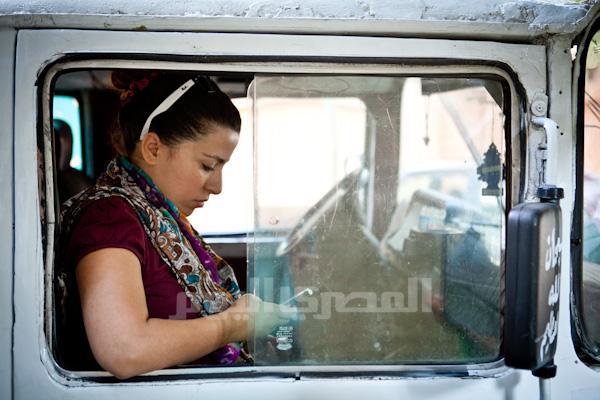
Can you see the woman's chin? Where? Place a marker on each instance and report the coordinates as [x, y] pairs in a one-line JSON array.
[[186, 210], [189, 209]]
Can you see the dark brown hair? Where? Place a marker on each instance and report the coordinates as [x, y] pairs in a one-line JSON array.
[[203, 105]]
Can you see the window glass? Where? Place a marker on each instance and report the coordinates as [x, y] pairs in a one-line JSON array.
[[590, 295], [380, 201], [312, 143], [66, 109]]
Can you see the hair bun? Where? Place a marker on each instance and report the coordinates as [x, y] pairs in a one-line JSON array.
[[129, 82]]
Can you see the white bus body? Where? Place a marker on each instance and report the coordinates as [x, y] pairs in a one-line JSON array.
[[531, 45]]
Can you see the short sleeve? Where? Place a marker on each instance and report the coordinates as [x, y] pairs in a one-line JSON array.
[[106, 223]]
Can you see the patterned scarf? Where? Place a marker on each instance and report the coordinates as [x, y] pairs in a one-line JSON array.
[[207, 280]]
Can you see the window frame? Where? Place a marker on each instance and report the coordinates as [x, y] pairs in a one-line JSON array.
[[493, 368], [585, 350]]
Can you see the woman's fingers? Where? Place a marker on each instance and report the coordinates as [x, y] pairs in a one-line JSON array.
[[263, 316], [287, 313]]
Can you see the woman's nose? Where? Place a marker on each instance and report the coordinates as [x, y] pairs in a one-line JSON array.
[[215, 183]]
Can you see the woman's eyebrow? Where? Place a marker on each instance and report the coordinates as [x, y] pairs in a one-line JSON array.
[[219, 159]]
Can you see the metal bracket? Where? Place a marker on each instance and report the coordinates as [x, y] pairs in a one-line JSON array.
[[548, 148], [539, 105]]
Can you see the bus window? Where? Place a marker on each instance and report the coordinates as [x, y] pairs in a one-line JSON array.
[[374, 204], [380, 217], [590, 269]]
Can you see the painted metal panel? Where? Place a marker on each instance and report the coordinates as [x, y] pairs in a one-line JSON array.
[[36, 49], [7, 49], [498, 19]]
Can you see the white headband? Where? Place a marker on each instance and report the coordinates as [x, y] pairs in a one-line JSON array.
[[166, 104], [171, 99]]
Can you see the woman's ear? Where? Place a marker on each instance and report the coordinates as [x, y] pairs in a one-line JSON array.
[[150, 148]]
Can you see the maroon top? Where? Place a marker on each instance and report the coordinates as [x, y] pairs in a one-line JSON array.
[[108, 223], [112, 222]]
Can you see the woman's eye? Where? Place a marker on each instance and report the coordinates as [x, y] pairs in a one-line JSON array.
[[208, 168]]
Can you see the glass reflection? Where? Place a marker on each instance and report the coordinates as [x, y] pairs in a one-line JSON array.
[[384, 197]]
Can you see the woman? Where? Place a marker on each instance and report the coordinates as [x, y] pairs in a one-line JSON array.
[[143, 275]]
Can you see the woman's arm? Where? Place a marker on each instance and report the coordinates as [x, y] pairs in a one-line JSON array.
[[123, 339]]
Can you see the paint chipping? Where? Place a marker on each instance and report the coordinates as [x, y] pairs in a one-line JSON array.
[[538, 14]]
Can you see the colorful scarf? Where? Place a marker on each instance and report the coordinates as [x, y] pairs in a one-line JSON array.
[[207, 280]]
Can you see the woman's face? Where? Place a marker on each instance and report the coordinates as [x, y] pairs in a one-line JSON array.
[[189, 172]]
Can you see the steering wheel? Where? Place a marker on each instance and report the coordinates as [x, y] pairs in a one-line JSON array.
[[348, 185]]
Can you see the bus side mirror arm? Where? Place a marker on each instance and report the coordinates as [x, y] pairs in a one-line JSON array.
[[549, 147]]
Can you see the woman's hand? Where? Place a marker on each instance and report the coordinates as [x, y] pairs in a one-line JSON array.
[[249, 314]]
